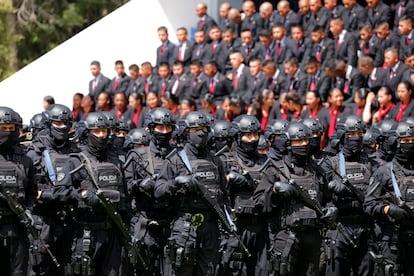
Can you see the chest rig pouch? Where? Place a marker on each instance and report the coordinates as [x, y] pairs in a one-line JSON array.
[[243, 202], [109, 179], [358, 175], [12, 176], [52, 164], [148, 161], [206, 172], [296, 214]]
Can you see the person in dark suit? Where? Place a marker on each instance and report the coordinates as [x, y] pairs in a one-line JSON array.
[[121, 81], [230, 43], [235, 18], [378, 12], [305, 16], [333, 9], [299, 45], [250, 48], [315, 110], [320, 16], [122, 110], [405, 28], [297, 80], [405, 107], [346, 44], [164, 82], [181, 83], [184, 50], [217, 84], [285, 16], [370, 45], [276, 79], [201, 49], [409, 61], [165, 52], [403, 8], [281, 51], [322, 48], [258, 81], [354, 15], [317, 79], [348, 80], [205, 21], [215, 37], [252, 19], [374, 77], [267, 45], [395, 69], [133, 80], [224, 21], [148, 80], [387, 37], [99, 83], [198, 81], [266, 12], [239, 75]]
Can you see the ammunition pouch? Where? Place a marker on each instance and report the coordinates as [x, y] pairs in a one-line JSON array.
[[283, 261], [244, 207], [231, 254]]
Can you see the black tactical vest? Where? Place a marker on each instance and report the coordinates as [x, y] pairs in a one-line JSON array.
[[57, 160], [12, 177]]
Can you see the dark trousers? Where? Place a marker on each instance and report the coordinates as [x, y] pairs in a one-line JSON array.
[[14, 250]]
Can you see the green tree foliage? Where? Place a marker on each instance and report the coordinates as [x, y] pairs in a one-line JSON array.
[[30, 28]]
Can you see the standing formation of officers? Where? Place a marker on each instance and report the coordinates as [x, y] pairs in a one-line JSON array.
[[196, 197]]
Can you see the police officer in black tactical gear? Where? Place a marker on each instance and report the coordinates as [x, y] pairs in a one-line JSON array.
[[16, 178], [121, 132], [49, 152], [150, 224], [193, 180], [390, 200], [243, 178], [386, 150], [315, 142], [284, 194], [36, 124], [97, 244], [353, 166], [137, 137], [223, 139], [274, 135]]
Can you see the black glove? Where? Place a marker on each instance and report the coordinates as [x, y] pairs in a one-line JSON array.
[[90, 198], [285, 190], [329, 215], [188, 182], [237, 180], [46, 195], [338, 188], [147, 186], [396, 212]]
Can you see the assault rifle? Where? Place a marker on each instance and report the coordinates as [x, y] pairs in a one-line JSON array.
[[213, 203], [314, 204], [133, 247], [26, 220]]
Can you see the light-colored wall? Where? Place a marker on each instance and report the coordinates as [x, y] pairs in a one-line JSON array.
[[128, 34]]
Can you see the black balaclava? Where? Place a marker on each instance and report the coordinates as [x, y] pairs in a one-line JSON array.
[[300, 154], [315, 145], [198, 139], [59, 134], [162, 140], [405, 154], [352, 146], [8, 139], [97, 146], [119, 142]]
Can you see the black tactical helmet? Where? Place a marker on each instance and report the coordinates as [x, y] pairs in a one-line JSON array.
[[112, 119], [352, 123], [159, 116], [297, 131], [371, 136], [313, 124], [404, 129], [95, 120], [123, 126], [387, 127], [246, 124], [9, 116], [276, 128], [195, 119], [58, 113], [408, 120], [222, 129], [137, 136], [37, 121]]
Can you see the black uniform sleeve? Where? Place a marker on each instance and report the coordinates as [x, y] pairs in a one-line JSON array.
[[164, 186], [67, 188], [30, 186], [263, 194]]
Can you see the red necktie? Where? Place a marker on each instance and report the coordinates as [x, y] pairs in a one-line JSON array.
[[248, 51], [366, 48], [116, 83], [195, 83], [200, 23], [392, 73], [346, 86], [146, 87], [400, 10], [213, 46], [338, 43], [318, 53], [162, 50], [95, 82], [400, 114], [407, 41], [175, 87], [267, 54], [180, 53], [236, 81], [279, 50], [312, 84], [163, 87], [211, 86]]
